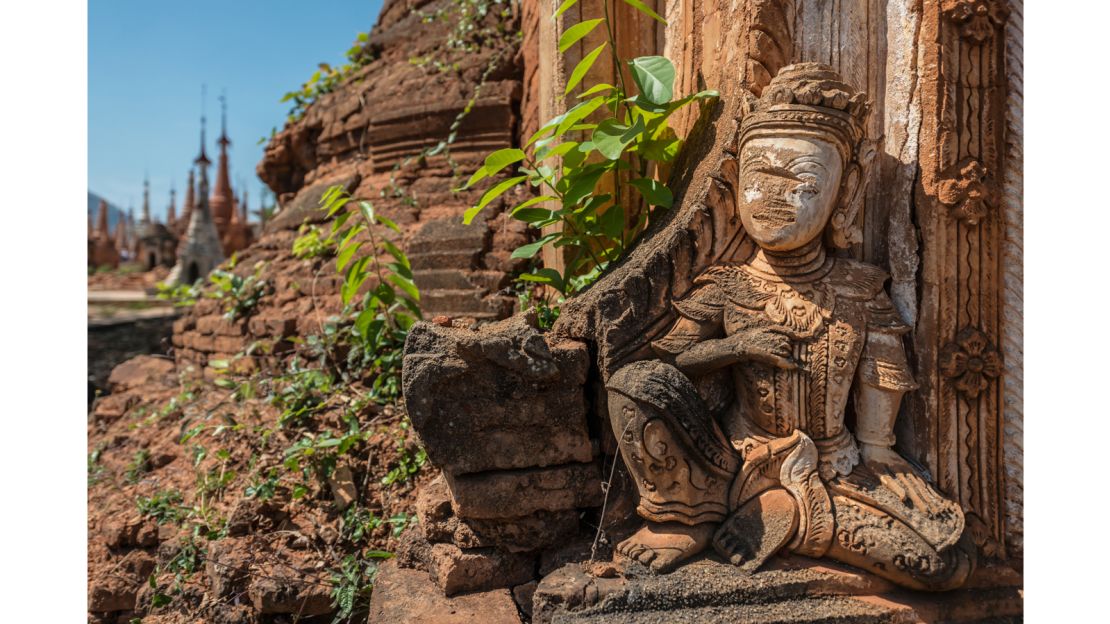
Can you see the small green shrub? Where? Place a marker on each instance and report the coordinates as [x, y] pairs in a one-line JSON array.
[[164, 507]]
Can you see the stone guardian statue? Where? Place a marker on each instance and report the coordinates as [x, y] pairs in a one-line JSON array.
[[737, 434]]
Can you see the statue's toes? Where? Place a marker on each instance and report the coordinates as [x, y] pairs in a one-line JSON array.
[[627, 547], [647, 556], [666, 560]]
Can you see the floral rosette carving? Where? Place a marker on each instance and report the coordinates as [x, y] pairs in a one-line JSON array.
[[964, 191], [971, 362], [977, 19]]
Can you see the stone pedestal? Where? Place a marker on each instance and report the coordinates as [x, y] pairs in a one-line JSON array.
[[794, 590]]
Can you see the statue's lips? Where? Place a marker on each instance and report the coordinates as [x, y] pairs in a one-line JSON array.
[[775, 215]]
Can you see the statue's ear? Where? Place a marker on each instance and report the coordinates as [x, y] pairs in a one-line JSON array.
[[844, 231]]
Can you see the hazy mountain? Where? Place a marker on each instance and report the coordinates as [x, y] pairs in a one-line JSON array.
[[114, 212]]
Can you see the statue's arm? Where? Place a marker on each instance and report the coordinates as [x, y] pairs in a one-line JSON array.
[[695, 343], [694, 347]]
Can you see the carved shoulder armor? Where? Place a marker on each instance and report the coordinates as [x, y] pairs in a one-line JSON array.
[[706, 301], [857, 280]]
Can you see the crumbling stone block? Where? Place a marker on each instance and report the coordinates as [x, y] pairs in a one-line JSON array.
[[457, 570], [497, 398], [403, 595], [524, 492], [542, 529]]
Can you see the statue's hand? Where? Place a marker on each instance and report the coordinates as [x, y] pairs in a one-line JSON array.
[[764, 345]]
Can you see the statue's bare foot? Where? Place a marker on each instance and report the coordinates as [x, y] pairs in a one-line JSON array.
[[663, 545]]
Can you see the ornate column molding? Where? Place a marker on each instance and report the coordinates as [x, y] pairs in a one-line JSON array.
[[977, 20], [960, 210]]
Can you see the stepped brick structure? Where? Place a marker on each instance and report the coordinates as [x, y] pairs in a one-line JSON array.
[[234, 232], [376, 125], [102, 247], [179, 226], [200, 251], [154, 244], [171, 210]]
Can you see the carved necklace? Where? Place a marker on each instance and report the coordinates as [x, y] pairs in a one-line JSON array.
[[792, 293]]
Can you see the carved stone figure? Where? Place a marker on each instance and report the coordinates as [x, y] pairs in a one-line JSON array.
[[765, 422]]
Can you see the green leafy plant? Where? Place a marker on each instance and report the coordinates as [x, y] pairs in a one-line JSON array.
[[303, 393], [382, 313], [164, 507], [353, 581], [95, 469], [181, 295], [314, 458], [468, 26], [358, 523], [264, 489], [139, 465], [408, 465], [598, 167], [326, 78], [309, 243], [240, 295]]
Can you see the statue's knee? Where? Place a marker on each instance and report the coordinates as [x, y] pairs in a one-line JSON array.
[[651, 386], [638, 379]]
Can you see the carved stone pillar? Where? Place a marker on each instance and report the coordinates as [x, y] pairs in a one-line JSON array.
[[958, 416]]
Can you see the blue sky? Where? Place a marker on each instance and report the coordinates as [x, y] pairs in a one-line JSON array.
[[148, 59]]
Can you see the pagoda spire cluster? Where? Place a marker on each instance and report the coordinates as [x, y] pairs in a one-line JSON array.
[[154, 243]]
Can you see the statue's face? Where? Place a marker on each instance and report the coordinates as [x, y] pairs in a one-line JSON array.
[[788, 189]]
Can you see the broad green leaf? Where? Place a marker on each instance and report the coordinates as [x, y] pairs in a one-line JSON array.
[[470, 213], [584, 66], [563, 7], [597, 88], [532, 202], [611, 222], [575, 113], [558, 150], [654, 77], [607, 138], [356, 275], [534, 216], [495, 162], [700, 95], [529, 250], [405, 285], [581, 186], [592, 205], [367, 211], [580, 112], [400, 269], [345, 255], [545, 276], [643, 8], [502, 158], [610, 137], [389, 223], [654, 192], [574, 33], [478, 175], [490, 195], [396, 253], [663, 149]]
